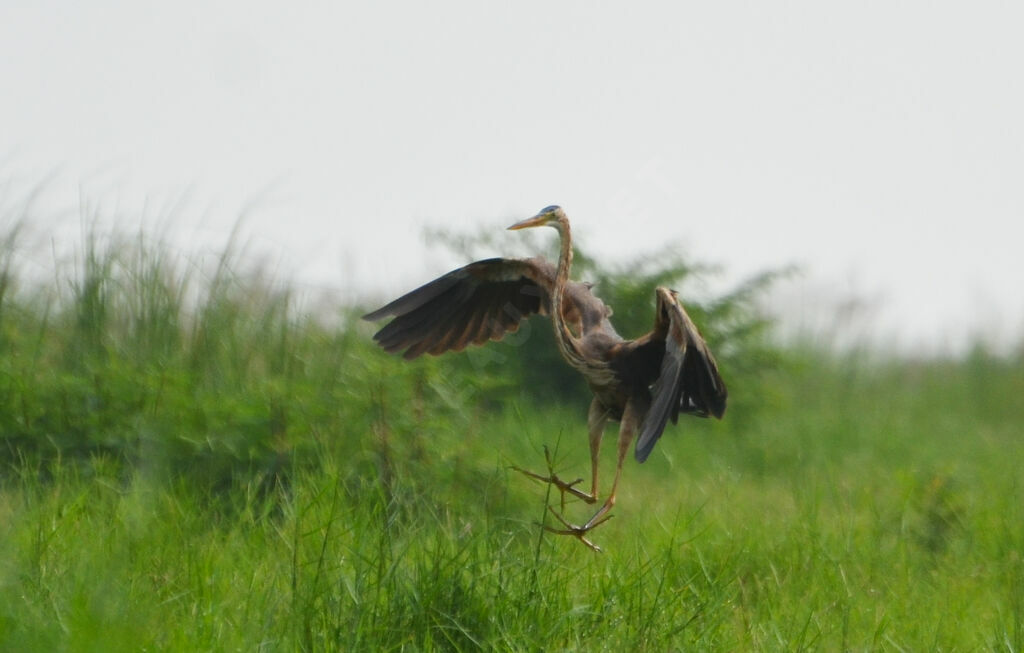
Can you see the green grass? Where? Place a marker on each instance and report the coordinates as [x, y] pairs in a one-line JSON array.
[[193, 461]]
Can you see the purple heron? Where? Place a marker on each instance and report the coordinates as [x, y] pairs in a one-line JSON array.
[[640, 383]]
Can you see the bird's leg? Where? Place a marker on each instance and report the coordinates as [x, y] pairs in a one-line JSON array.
[[553, 479], [575, 531], [625, 439], [630, 420], [597, 417]]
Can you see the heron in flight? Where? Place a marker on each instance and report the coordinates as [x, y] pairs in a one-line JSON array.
[[640, 383]]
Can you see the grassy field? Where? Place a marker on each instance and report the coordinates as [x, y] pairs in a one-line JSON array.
[[192, 460]]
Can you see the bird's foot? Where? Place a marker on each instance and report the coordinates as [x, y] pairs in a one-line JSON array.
[[580, 532], [563, 486]]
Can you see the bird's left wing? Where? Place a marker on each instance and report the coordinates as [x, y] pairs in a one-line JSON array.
[[471, 305], [688, 381]]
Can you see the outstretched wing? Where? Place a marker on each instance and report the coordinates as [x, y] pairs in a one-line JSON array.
[[688, 381], [471, 305]]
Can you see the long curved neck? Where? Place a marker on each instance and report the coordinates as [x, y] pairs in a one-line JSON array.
[[563, 336]]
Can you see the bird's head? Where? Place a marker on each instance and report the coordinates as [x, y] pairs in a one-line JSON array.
[[549, 216]]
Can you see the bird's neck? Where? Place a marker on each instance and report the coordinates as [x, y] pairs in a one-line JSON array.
[[563, 336]]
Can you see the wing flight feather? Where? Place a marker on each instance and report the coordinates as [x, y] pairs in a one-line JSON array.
[[688, 380], [470, 305]]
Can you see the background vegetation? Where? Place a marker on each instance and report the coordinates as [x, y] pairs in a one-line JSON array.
[[198, 457]]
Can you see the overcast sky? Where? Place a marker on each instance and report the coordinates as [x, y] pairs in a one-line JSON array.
[[878, 145]]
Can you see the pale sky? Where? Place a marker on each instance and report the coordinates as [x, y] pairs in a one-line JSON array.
[[877, 145]]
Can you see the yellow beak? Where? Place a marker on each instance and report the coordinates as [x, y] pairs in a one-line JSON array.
[[538, 220]]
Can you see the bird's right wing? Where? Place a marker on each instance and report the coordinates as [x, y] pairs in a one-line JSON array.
[[688, 380], [471, 305]]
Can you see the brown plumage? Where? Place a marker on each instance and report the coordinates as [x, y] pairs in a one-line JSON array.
[[641, 383]]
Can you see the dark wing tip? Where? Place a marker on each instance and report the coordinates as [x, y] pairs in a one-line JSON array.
[[717, 404], [479, 302], [643, 452], [376, 315], [688, 381]]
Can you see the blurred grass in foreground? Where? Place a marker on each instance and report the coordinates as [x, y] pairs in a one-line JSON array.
[[194, 460]]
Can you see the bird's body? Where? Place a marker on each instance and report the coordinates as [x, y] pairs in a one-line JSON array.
[[640, 383]]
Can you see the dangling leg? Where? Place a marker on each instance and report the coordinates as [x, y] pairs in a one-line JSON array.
[[553, 479], [596, 419], [627, 430]]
